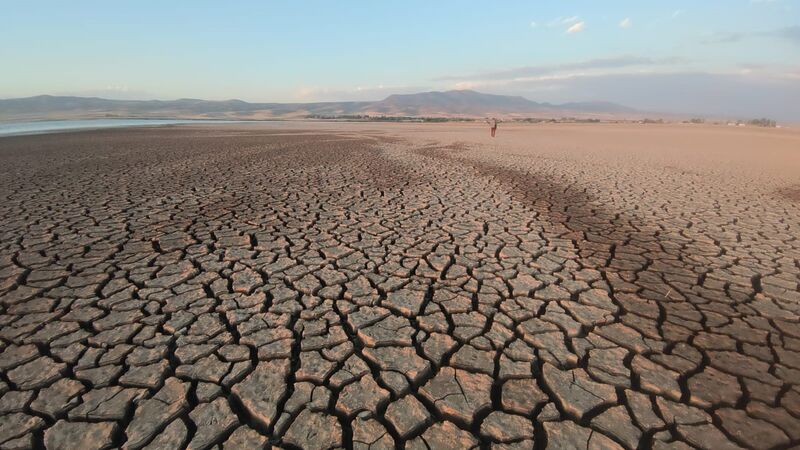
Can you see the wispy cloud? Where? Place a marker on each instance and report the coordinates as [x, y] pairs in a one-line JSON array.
[[570, 20], [677, 13], [573, 24], [626, 23], [724, 37], [534, 24], [790, 34], [762, 93], [562, 21], [616, 62], [577, 27], [110, 91], [358, 93]]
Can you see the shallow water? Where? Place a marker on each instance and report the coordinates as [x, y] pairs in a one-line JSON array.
[[46, 126]]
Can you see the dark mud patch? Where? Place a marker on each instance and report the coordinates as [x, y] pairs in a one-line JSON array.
[[636, 254], [791, 193]]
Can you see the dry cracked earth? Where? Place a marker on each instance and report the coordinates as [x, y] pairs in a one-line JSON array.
[[245, 288]]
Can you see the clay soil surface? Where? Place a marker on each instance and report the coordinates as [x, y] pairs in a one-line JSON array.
[[419, 286]]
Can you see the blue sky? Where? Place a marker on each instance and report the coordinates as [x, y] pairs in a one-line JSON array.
[[640, 53]]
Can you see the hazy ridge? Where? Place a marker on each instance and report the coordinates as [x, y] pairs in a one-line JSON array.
[[463, 103]]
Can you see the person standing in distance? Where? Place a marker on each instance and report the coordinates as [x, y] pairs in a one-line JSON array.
[[493, 124]]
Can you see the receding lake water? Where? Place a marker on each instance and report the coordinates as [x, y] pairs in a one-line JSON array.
[[46, 126]]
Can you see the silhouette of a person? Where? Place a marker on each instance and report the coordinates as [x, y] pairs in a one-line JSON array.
[[492, 123]]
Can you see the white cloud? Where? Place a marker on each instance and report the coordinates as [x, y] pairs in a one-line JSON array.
[[117, 88], [534, 24], [626, 23], [559, 21], [576, 28], [351, 93], [467, 85], [677, 13]]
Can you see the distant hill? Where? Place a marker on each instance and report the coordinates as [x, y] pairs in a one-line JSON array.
[[463, 103], [453, 102], [56, 107], [471, 103]]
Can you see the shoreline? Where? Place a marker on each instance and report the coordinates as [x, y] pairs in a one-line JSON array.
[[92, 124]]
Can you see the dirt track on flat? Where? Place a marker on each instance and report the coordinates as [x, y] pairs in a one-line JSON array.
[[400, 286]]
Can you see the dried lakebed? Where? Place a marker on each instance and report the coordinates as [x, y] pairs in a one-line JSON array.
[[221, 287]]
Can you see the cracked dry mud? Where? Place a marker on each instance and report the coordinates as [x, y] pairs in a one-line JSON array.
[[235, 287]]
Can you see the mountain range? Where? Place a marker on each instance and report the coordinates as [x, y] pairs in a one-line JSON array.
[[460, 103]]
